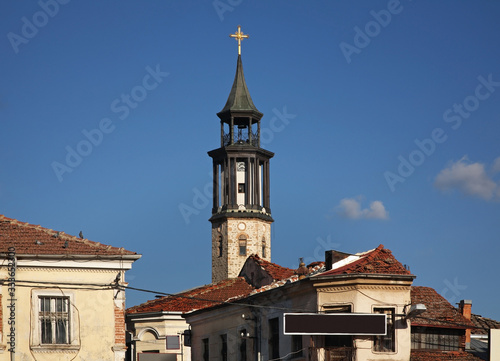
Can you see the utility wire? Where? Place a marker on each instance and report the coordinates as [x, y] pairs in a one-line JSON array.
[[235, 302]]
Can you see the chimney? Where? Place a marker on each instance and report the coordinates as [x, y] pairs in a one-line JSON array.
[[465, 308], [302, 271], [332, 257]]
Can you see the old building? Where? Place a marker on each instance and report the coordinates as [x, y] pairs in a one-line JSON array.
[[441, 332], [154, 322], [252, 327], [61, 296]]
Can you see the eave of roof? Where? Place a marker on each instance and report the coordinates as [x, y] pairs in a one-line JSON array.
[[30, 240]]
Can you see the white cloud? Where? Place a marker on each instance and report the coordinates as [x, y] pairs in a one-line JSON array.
[[351, 208], [469, 178], [495, 168]]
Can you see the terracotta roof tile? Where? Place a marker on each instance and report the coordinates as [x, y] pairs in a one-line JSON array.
[[483, 324], [29, 239], [417, 355], [276, 271], [377, 261], [197, 298], [440, 313]]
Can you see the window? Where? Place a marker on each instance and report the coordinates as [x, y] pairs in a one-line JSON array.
[[427, 338], [296, 346], [220, 246], [54, 320], [274, 338], [337, 341], [223, 348], [243, 245], [263, 248], [241, 187], [206, 353], [386, 343], [173, 342]]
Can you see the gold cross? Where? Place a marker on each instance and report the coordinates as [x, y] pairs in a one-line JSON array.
[[239, 36]]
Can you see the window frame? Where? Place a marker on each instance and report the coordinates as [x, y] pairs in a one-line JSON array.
[[54, 317], [242, 245], [36, 324], [379, 341]]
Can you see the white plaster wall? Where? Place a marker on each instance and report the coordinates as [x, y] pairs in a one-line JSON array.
[[92, 312]]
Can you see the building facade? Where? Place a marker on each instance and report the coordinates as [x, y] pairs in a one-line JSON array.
[[252, 327], [62, 297]]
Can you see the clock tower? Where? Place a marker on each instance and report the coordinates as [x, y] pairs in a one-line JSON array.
[[241, 213]]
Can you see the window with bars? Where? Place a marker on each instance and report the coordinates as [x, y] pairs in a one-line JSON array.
[[54, 320], [387, 342], [428, 338]]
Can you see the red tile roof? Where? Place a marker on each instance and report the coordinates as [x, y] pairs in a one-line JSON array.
[[29, 239], [274, 270], [197, 298], [377, 261], [440, 313], [483, 324], [417, 355]]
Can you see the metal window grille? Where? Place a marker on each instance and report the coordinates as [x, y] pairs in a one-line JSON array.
[[428, 338], [54, 320]]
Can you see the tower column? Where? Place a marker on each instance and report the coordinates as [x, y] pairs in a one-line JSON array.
[[268, 188], [231, 131], [215, 189], [257, 181], [247, 182], [221, 134]]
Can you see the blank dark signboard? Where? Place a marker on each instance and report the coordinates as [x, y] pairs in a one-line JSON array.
[[335, 324]]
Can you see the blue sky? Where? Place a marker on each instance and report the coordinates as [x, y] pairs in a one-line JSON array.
[[384, 117]]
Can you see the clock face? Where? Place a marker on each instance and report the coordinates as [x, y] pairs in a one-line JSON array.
[[241, 166], [242, 226]]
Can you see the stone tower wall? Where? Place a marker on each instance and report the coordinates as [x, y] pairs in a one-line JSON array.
[[229, 263]]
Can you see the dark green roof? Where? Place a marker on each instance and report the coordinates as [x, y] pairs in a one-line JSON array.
[[239, 99]]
